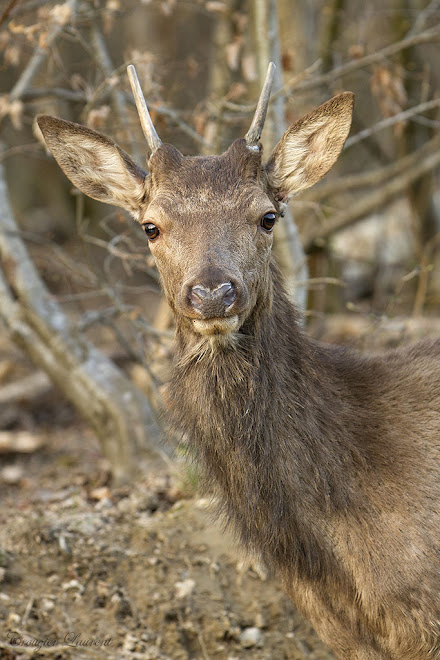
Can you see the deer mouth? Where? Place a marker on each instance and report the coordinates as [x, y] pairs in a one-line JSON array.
[[216, 326]]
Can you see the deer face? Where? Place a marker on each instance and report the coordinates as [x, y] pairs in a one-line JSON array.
[[209, 223], [208, 220]]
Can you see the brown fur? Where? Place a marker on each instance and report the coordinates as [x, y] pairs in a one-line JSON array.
[[326, 462]]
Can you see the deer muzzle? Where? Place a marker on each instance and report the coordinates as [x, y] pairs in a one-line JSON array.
[[214, 304]]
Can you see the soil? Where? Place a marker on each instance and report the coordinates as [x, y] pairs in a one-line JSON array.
[[143, 571]]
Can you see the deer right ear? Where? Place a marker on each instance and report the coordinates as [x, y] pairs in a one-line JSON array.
[[310, 147], [95, 164]]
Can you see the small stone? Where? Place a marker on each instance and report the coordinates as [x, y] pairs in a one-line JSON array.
[[184, 588], [11, 474], [251, 637], [47, 604], [100, 493], [130, 642], [13, 620], [73, 584], [259, 620]]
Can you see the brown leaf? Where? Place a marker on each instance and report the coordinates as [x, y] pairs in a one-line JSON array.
[[249, 68], [356, 51], [388, 88], [60, 14], [21, 442], [97, 117], [12, 55], [232, 52], [236, 91], [216, 7]]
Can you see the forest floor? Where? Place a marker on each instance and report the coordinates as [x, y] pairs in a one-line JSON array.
[[88, 570], [142, 571]]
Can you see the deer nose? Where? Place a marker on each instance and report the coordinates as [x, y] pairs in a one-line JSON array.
[[211, 303]]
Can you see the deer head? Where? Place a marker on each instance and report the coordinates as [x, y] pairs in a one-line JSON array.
[[209, 220]]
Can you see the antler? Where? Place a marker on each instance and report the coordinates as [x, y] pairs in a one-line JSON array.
[[254, 133], [153, 140]]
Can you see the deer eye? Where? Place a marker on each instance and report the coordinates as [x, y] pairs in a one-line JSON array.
[[268, 221], [151, 230]]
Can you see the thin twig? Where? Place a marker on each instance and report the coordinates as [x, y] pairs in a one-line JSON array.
[[372, 200], [422, 17], [423, 272], [374, 177], [102, 57], [38, 58], [424, 37], [184, 127], [20, 150], [7, 10], [390, 121], [54, 92]]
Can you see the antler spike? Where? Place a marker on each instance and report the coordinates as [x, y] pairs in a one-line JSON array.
[[256, 128], [153, 140]]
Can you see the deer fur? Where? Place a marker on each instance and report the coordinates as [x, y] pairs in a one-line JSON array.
[[326, 462]]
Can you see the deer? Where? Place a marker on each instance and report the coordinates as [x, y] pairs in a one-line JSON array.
[[325, 461]]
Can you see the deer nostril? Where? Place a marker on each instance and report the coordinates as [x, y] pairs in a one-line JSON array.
[[227, 292], [212, 302], [197, 295]]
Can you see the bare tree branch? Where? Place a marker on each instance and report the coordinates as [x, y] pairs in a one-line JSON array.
[[103, 59], [373, 200], [288, 246], [119, 413], [7, 10], [390, 121], [374, 177], [432, 34], [38, 58]]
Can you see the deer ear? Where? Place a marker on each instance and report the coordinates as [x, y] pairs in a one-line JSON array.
[[310, 147], [95, 164]]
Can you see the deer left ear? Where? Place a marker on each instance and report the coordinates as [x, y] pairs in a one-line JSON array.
[[95, 164], [310, 147]]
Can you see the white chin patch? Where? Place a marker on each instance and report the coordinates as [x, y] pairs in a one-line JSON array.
[[220, 326]]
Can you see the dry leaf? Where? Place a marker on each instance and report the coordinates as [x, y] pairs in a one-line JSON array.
[[6, 367], [356, 51], [236, 91], [12, 55], [288, 60], [232, 52], [387, 86], [60, 14], [200, 120], [167, 7], [14, 110], [21, 442], [249, 68], [102, 493], [97, 117], [216, 7]]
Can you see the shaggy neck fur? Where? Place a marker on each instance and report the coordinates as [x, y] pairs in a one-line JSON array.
[[257, 414]]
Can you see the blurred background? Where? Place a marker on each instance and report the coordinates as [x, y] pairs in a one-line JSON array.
[[86, 338]]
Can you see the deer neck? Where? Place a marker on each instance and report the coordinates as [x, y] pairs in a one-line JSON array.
[[256, 415]]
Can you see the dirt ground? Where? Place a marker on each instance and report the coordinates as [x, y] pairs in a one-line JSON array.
[[92, 571], [142, 571]]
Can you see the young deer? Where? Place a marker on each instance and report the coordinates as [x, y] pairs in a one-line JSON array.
[[326, 461]]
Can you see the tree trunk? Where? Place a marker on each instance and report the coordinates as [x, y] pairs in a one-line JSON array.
[[288, 248], [118, 412]]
